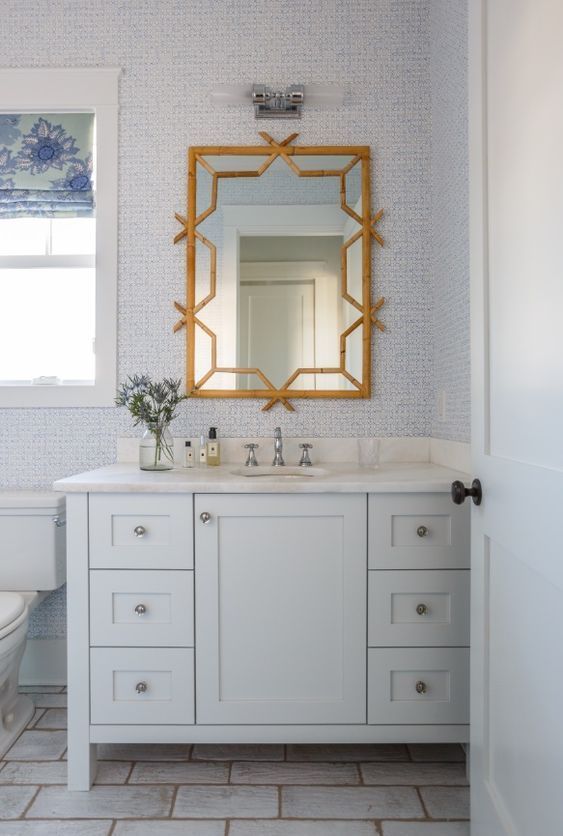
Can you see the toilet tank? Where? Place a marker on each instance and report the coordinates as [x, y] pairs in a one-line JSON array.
[[32, 540]]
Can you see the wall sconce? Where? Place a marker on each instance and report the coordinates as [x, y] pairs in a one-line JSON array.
[[278, 102]]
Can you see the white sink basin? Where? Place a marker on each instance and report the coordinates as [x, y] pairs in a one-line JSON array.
[[280, 472]]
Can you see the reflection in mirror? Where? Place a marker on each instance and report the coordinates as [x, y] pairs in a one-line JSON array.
[[254, 382], [279, 258]]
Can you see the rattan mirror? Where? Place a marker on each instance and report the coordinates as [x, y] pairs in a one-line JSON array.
[[278, 270]]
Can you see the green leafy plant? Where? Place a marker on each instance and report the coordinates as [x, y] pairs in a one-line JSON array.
[[152, 404]]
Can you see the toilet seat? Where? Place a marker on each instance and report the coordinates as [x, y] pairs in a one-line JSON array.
[[13, 610]]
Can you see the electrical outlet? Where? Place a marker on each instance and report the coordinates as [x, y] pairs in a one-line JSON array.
[[442, 405]]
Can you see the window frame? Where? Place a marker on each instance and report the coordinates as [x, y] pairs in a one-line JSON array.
[[80, 89]]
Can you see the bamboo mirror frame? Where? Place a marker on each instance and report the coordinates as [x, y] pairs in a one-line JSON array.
[[208, 159]]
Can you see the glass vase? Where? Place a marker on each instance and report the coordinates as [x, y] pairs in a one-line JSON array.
[[156, 449]]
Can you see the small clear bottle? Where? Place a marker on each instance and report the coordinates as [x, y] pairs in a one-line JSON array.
[[189, 458], [202, 450], [213, 448]]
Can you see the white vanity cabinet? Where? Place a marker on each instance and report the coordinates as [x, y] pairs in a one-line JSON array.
[[300, 616], [281, 609]]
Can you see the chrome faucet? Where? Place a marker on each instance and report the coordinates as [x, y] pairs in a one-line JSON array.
[[278, 448], [305, 460], [251, 460]]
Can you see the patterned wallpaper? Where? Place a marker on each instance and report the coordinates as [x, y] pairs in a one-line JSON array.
[[450, 217], [172, 53]]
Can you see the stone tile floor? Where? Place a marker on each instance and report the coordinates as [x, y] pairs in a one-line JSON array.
[[229, 790]]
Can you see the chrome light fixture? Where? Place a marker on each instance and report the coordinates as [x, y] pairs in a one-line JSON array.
[[276, 102]]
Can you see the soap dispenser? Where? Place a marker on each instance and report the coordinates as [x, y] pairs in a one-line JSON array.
[[213, 448]]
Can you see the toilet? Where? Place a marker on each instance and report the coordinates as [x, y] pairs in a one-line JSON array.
[[32, 564]]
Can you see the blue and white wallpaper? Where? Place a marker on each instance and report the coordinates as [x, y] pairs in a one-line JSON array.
[[172, 53], [450, 217]]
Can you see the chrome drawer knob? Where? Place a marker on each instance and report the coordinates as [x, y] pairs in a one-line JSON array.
[[205, 517], [141, 687], [422, 531], [422, 609], [139, 531], [140, 609], [421, 687]]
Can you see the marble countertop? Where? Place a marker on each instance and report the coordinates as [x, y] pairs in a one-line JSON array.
[[400, 477]]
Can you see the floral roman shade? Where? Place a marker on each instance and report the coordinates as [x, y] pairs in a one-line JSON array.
[[46, 165]]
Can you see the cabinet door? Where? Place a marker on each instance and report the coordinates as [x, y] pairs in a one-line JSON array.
[[281, 609]]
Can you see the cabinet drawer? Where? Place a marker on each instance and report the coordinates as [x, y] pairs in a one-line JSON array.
[[442, 676], [417, 531], [418, 609], [141, 531], [142, 609], [142, 685]]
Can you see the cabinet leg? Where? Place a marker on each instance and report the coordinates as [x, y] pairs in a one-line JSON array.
[[82, 762], [82, 765], [467, 748]]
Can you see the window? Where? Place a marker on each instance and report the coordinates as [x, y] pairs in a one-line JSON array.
[[47, 287], [58, 274]]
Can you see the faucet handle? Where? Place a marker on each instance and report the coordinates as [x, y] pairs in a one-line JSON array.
[[305, 461], [251, 460]]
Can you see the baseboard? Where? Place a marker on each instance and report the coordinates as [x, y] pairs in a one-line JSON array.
[[44, 662]]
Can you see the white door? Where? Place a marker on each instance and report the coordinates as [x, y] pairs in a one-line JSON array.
[[516, 164], [277, 328], [281, 609], [284, 313]]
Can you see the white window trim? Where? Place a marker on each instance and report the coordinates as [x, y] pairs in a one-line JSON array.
[[84, 89]]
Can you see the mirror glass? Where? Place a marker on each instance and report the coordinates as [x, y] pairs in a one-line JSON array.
[[278, 272]]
